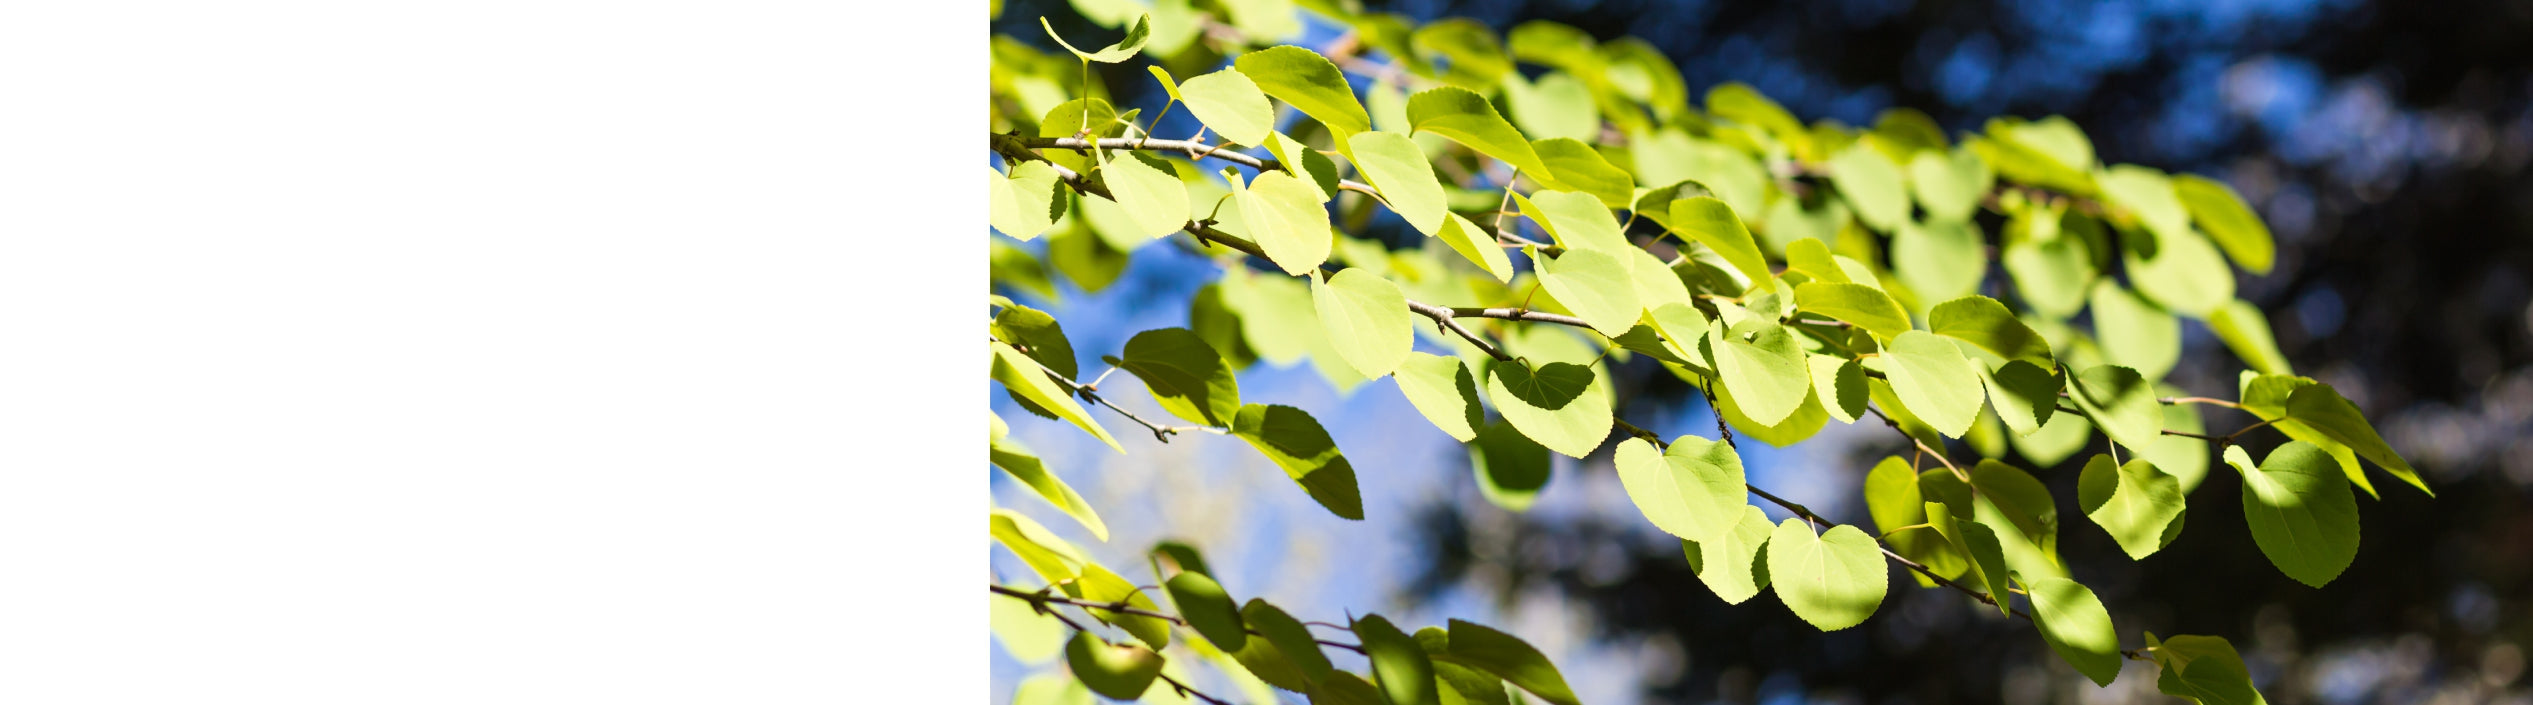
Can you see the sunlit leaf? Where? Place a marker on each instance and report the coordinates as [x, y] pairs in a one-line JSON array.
[[1934, 380], [1465, 117], [1028, 201], [1949, 185], [1558, 106], [2204, 669], [1595, 285], [1557, 405], [1762, 364], [1015, 458], [1124, 49], [1024, 377], [1507, 657], [2300, 511], [1833, 580], [1367, 318], [2140, 505], [2121, 402], [1872, 185], [1308, 82], [1691, 490], [1866, 307], [2145, 193], [2233, 226], [2183, 273], [2245, 330], [2076, 626], [1733, 563], [2321, 408], [1709, 222], [1232, 105], [1208, 610], [1283, 653], [1184, 374], [1938, 261], [2134, 333], [1579, 167], [1284, 215], [1398, 168], [1298, 444]]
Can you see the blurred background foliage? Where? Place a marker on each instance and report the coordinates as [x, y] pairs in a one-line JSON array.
[[2384, 143]]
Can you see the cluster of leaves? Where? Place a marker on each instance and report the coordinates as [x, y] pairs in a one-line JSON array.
[[1794, 273]]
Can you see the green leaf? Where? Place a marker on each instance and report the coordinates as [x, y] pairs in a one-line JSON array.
[[1762, 363], [1657, 284], [2300, 511], [1838, 383], [1314, 169], [1054, 559], [1934, 380], [1462, 685], [2134, 333], [1579, 167], [1558, 106], [1185, 375], [1811, 257], [1399, 666], [2011, 500], [2184, 274], [1871, 184], [1098, 584], [1344, 688], [1083, 256], [1866, 307], [1557, 405], [1833, 580], [1950, 186], [1442, 389], [1878, 390], [1893, 500], [1577, 220], [2246, 332], [2051, 275], [2023, 394], [2122, 403], [1477, 245], [1939, 261], [1014, 458], [1297, 443], [2204, 669], [2321, 408], [1509, 658], [1283, 652], [1987, 323], [1398, 168], [1465, 117], [1734, 562], [2231, 224], [2137, 503], [1024, 377], [1232, 105], [2076, 626], [1308, 82], [2145, 193], [1208, 610], [1184, 556], [1740, 103], [2184, 458], [1691, 491], [1366, 318], [1275, 313], [1983, 556], [1807, 419], [1595, 285], [1286, 218], [1118, 671], [1038, 335], [1511, 468], [1028, 201], [1709, 222], [1124, 49], [2057, 138]]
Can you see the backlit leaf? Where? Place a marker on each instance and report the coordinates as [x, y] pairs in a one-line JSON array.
[[1232, 105], [1872, 185], [1938, 261], [2145, 193], [1283, 653], [2076, 626], [1308, 82], [2245, 330], [1367, 318], [1733, 563], [1762, 364], [1285, 217], [1934, 380], [1124, 49], [1507, 657], [2300, 511], [2204, 669], [1595, 285], [1950, 185], [2226, 220], [2184, 274], [2134, 333], [1987, 323], [1982, 556], [1400, 667], [1692, 490], [1894, 502], [1398, 168], [1864, 306], [1578, 167], [1015, 458], [2121, 402], [1465, 117], [1558, 106], [1709, 222], [1477, 245], [1024, 377], [1839, 384], [1833, 580], [2321, 408], [1028, 201], [2139, 504], [1557, 405]]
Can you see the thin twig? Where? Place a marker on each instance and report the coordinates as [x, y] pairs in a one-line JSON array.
[[1444, 318], [1190, 148]]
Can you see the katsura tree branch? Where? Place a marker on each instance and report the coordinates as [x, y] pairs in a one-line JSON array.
[[1193, 149], [1039, 599], [1444, 319], [1091, 393]]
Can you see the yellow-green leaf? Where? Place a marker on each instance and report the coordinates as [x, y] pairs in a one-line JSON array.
[[1465, 117], [2137, 503], [1872, 185], [1232, 105], [2122, 403], [1308, 82], [1024, 377], [2245, 330], [1366, 318], [2076, 626], [1015, 458], [1579, 167], [1398, 168], [1286, 218], [2233, 226], [1733, 563], [1595, 285], [2134, 332], [1478, 246], [1934, 380], [1028, 201], [1118, 671], [1709, 222], [1950, 185], [2300, 511], [1558, 405], [1833, 580], [1864, 306], [1692, 490]]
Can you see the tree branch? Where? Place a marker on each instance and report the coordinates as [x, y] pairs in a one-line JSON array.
[[1192, 148]]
